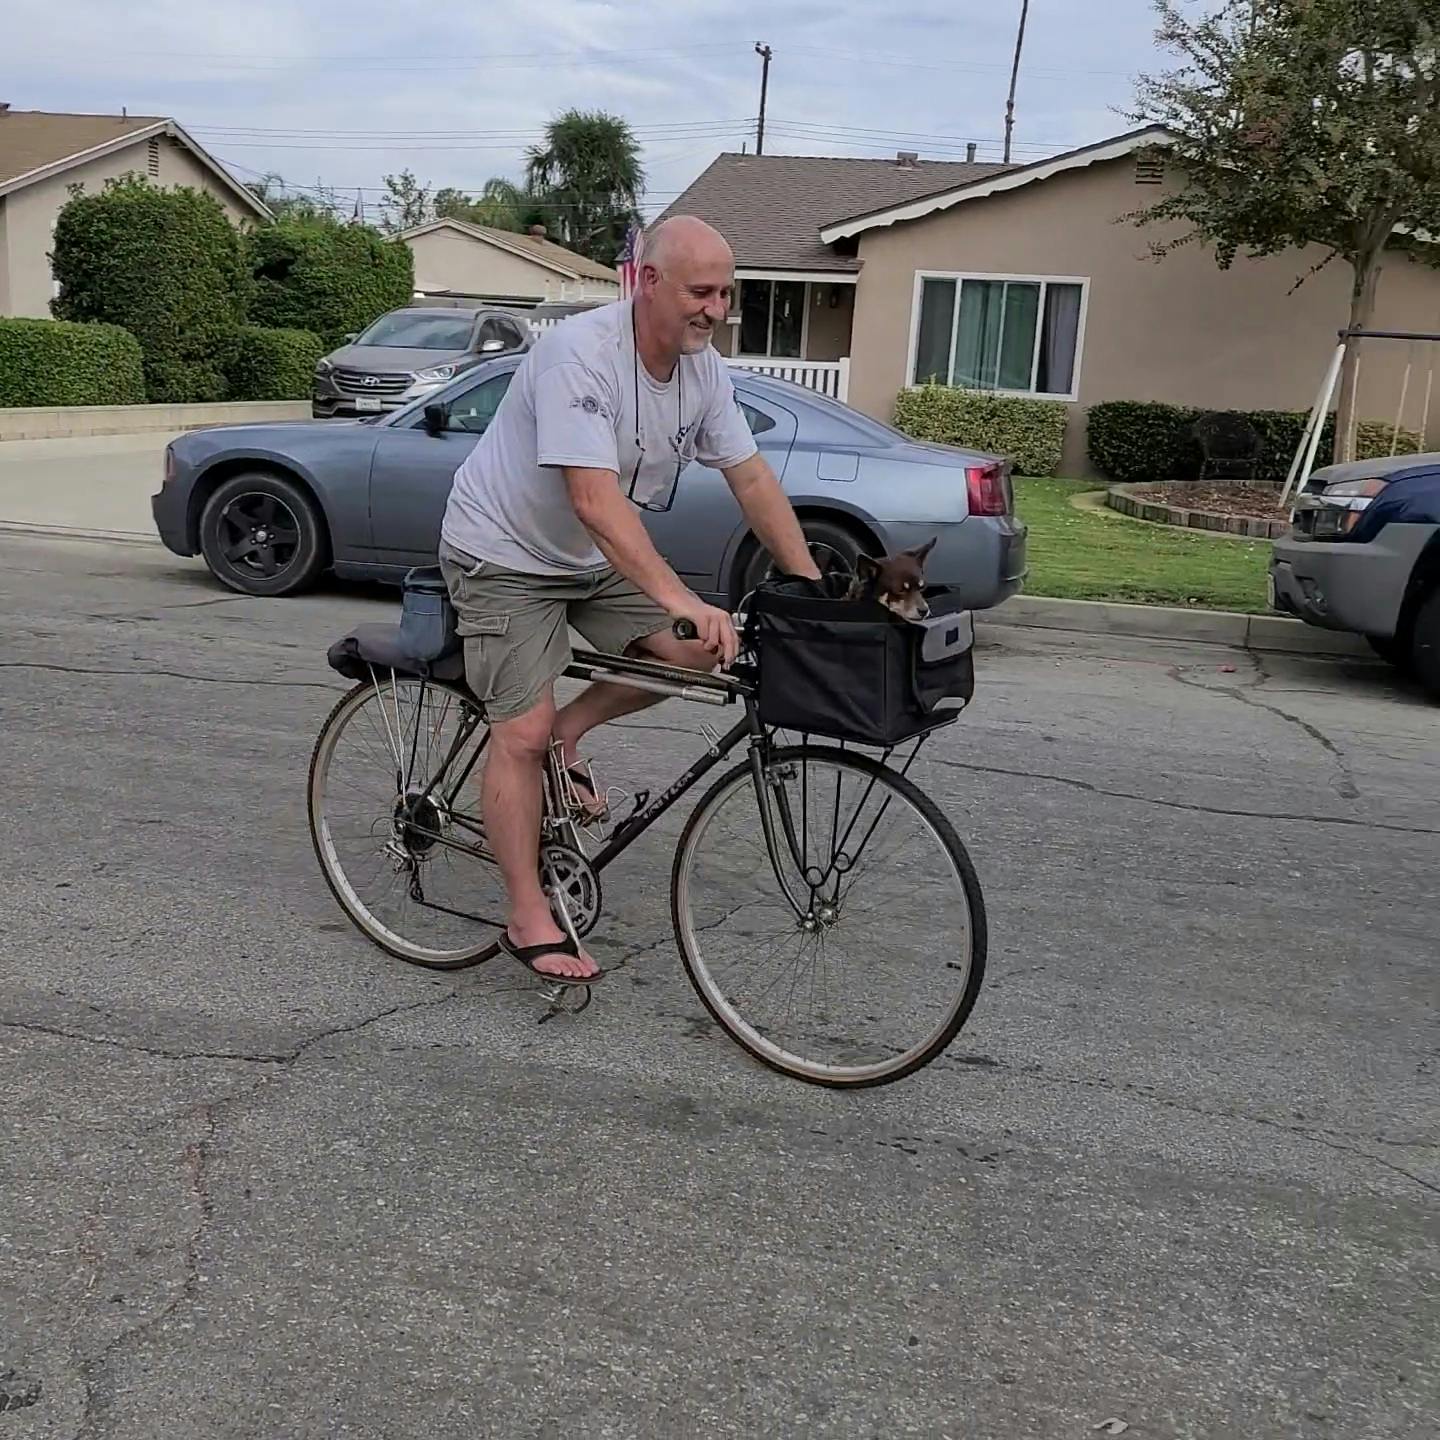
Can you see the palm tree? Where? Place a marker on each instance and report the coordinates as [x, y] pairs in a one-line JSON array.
[[587, 180]]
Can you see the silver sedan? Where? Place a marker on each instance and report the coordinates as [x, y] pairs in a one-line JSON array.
[[270, 507]]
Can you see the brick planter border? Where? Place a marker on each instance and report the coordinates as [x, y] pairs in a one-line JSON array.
[[1119, 497]]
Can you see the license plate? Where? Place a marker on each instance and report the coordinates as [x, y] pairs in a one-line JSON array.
[[367, 402]]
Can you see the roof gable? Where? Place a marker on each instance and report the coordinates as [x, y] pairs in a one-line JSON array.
[[773, 209], [36, 144], [542, 252], [976, 189]]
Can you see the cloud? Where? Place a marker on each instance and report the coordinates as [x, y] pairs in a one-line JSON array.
[[480, 82]]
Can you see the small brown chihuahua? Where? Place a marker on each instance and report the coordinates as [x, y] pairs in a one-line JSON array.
[[896, 581]]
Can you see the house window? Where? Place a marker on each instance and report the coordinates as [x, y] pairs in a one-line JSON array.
[[1017, 334], [772, 318]]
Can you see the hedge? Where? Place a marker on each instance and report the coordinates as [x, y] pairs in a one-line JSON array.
[[167, 265], [1133, 441], [54, 362], [310, 273], [273, 364], [1029, 432]]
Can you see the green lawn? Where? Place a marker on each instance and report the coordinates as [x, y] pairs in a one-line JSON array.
[[1076, 555]]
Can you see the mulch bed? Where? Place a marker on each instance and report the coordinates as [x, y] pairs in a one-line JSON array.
[[1250, 501]]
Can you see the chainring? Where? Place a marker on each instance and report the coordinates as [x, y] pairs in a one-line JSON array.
[[571, 873]]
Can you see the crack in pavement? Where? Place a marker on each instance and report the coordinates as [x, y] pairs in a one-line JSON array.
[[1344, 783], [247, 681], [1142, 1094], [195, 1161], [1093, 789]]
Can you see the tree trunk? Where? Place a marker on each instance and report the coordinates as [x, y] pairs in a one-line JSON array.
[[1362, 311]]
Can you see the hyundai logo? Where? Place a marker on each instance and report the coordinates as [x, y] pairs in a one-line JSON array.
[[370, 380]]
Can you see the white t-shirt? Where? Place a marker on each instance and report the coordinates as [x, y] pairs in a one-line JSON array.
[[573, 401]]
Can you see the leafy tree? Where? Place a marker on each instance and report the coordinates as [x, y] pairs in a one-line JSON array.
[[325, 276], [501, 205], [166, 265], [1303, 122], [316, 201], [406, 203], [587, 179]]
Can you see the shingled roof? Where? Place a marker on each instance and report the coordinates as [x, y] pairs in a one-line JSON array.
[[771, 207]]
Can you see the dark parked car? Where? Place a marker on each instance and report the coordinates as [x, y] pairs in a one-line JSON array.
[[410, 353], [1363, 555], [272, 506]]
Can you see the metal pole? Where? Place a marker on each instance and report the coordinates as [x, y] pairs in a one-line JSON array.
[[764, 52], [1014, 79], [1310, 443]]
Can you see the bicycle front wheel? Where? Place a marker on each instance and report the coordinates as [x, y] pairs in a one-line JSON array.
[[850, 949]]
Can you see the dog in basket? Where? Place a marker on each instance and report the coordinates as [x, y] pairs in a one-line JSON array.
[[895, 581]]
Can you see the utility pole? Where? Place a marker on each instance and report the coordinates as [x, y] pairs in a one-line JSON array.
[[1014, 77], [764, 52]]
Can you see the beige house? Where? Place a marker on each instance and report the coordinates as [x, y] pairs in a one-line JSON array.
[[43, 154], [1025, 280], [474, 262]]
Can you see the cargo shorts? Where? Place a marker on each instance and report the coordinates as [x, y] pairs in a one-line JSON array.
[[515, 627]]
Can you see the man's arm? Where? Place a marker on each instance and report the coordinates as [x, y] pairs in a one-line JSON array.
[[771, 515], [622, 538]]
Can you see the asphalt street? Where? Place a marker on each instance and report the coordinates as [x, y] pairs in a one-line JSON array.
[[1180, 1173]]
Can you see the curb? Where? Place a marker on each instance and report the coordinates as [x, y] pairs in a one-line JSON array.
[[70, 422], [1276, 633]]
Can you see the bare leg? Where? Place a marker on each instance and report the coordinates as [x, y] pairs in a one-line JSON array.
[[512, 794], [605, 700]]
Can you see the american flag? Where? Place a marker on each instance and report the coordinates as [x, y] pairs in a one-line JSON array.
[[627, 262]]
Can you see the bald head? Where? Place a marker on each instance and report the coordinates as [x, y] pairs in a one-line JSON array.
[[686, 280], [685, 242]]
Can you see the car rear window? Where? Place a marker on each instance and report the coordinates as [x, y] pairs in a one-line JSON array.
[[419, 332]]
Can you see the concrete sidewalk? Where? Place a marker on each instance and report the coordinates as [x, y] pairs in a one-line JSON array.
[[99, 487]]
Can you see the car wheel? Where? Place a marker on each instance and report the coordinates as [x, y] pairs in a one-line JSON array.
[[1395, 650], [834, 548], [261, 534], [1425, 644]]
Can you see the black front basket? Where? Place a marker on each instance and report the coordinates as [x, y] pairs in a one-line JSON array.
[[850, 670]]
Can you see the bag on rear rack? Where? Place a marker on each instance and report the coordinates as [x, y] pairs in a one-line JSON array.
[[851, 670], [427, 616]]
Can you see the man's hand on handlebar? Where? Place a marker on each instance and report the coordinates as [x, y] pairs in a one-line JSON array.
[[712, 627]]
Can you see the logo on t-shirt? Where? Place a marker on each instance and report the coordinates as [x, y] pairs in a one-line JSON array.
[[591, 405]]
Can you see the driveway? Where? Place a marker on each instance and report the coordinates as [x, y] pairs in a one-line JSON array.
[[1180, 1171]]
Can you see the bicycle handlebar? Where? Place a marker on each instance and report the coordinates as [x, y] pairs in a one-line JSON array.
[[684, 629]]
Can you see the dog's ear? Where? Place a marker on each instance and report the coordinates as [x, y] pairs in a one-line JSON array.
[[867, 567], [921, 551]]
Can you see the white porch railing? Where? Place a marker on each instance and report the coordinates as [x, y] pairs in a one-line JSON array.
[[829, 377]]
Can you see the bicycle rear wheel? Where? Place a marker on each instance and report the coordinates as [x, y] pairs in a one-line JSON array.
[[866, 962], [394, 807]]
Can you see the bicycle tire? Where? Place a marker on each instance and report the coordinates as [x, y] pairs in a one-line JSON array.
[[348, 901], [943, 831]]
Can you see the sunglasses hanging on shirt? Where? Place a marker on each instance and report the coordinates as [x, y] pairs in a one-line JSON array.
[[667, 498]]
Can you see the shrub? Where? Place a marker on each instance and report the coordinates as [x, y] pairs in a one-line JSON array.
[[1131, 441], [165, 264], [312, 273], [54, 362], [1030, 433], [273, 364]]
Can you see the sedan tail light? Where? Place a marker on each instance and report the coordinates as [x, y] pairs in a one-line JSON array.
[[989, 488]]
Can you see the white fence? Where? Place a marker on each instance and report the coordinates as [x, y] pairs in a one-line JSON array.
[[829, 377]]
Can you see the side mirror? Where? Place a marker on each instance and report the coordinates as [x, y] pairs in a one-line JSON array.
[[437, 419], [492, 347], [352, 336]]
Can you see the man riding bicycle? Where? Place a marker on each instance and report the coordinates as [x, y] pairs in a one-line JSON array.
[[542, 532]]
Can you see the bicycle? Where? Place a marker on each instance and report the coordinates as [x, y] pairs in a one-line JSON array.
[[755, 846]]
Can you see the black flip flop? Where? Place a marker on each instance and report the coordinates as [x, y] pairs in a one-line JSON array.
[[527, 955]]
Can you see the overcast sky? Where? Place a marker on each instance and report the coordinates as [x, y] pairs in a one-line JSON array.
[[345, 94]]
